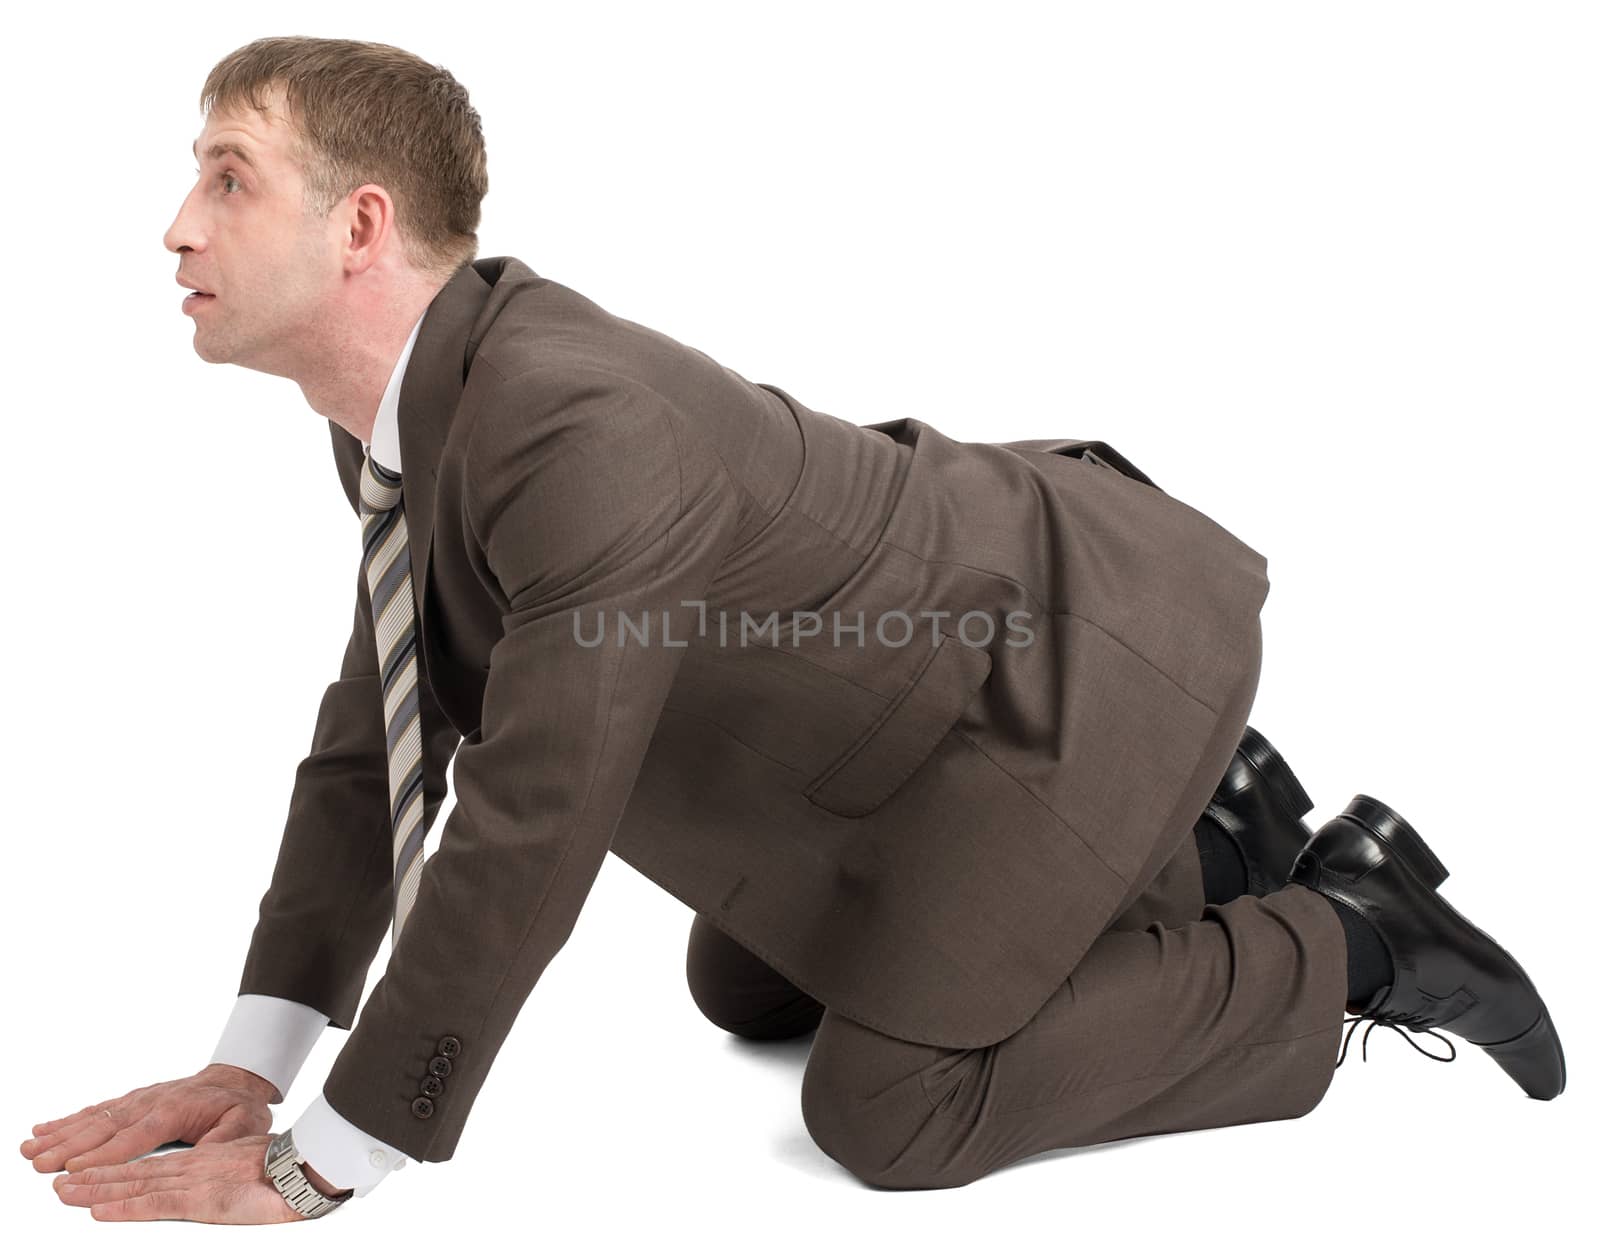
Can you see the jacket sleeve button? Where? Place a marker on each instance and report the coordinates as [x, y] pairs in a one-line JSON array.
[[432, 1086], [439, 1066], [422, 1107], [449, 1046]]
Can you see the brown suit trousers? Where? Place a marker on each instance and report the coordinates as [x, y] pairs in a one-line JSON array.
[[1181, 1015]]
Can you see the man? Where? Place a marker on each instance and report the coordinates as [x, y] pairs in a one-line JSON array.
[[943, 742]]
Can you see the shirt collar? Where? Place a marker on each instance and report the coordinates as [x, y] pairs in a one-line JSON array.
[[385, 444]]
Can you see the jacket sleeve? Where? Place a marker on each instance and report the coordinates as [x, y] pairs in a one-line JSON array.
[[324, 915], [582, 507]]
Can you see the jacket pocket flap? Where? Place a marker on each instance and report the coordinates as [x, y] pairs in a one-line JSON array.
[[880, 760], [1081, 448]]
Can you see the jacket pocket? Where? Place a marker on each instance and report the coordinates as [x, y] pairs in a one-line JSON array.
[[883, 757]]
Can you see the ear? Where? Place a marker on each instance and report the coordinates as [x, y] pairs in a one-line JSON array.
[[369, 228]]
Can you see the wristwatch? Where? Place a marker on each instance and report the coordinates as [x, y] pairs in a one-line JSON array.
[[283, 1168]]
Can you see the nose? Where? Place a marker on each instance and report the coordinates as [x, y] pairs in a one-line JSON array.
[[186, 233]]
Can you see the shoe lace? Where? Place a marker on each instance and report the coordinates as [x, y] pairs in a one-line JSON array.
[[1396, 1022]]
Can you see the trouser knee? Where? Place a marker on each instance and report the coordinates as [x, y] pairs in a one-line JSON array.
[[865, 1106], [740, 993]]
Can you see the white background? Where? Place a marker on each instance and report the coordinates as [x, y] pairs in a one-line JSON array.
[[1327, 272]]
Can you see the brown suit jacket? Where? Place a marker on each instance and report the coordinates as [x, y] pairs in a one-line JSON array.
[[923, 829]]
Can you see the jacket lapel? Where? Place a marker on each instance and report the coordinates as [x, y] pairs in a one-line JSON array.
[[434, 379]]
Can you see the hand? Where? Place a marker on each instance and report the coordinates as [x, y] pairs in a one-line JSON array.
[[221, 1183], [219, 1104]]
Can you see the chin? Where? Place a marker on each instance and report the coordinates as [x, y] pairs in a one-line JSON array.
[[210, 352]]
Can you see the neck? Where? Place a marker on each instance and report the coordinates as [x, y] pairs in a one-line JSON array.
[[345, 380]]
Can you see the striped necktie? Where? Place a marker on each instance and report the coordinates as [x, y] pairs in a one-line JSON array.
[[387, 560]]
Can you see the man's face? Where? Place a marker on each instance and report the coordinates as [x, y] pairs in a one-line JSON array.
[[243, 236]]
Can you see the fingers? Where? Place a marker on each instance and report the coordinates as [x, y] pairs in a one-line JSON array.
[[166, 1166], [100, 1140], [138, 1191], [63, 1145], [48, 1134], [84, 1194], [151, 1207], [42, 1128], [134, 1140]]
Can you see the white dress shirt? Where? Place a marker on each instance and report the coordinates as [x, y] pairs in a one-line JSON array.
[[273, 1036]]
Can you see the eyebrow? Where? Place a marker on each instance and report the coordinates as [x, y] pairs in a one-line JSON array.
[[221, 149]]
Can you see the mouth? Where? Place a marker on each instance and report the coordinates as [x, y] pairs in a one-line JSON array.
[[195, 298]]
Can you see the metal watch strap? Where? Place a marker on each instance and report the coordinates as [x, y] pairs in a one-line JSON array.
[[283, 1168]]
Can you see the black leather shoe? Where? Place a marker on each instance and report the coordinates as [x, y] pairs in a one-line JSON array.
[[1447, 973], [1258, 805]]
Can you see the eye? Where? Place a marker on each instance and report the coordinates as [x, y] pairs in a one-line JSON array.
[[224, 177]]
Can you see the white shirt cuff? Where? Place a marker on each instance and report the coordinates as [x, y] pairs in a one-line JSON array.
[[270, 1036], [341, 1152]]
